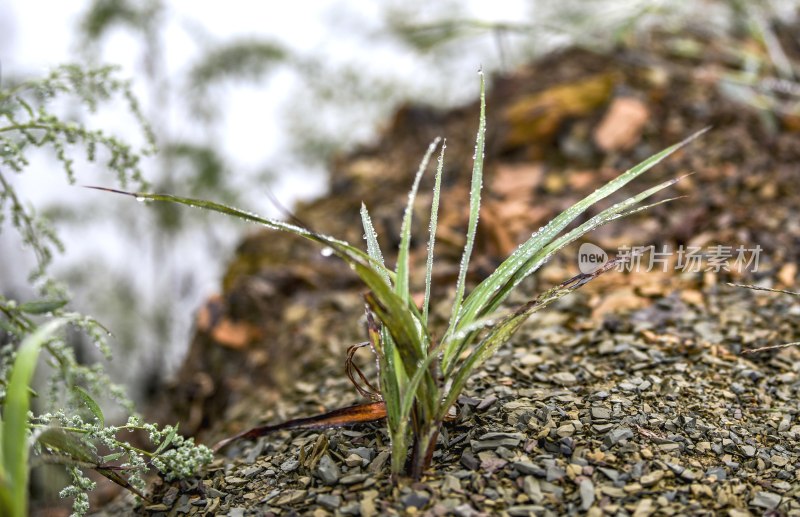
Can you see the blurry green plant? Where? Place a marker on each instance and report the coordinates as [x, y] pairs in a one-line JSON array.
[[420, 377], [71, 431]]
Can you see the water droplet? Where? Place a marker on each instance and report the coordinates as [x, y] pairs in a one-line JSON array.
[[327, 251], [141, 199]]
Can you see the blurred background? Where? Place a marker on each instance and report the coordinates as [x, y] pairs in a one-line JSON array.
[[248, 101]]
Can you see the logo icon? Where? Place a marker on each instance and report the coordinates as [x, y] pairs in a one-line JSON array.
[[590, 258]]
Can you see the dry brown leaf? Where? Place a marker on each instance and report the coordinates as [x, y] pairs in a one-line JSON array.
[[516, 181], [788, 274], [621, 127], [233, 334], [539, 116]]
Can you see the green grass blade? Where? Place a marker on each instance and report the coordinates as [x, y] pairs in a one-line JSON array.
[[474, 208], [90, 403], [508, 326], [406, 327], [342, 249], [404, 330], [373, 248], [437, 189], [619, 210], [489, 289], [14, 429], [401, 287], [462, 338]]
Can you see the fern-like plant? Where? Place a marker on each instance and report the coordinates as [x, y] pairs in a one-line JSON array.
[[68, 426], [420, 374]]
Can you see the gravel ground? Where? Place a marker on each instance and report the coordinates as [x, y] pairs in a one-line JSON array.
[[652, 413]]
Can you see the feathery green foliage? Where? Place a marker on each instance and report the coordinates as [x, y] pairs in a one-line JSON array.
[[421, 377], [67, 425]]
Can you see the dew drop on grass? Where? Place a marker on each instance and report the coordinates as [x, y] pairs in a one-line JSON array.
[[141, 199], [327, 251]]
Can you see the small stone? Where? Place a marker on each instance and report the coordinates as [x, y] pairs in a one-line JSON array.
[[214, 493], [486, 403], [613, 491], [469, 460], [365, 452], [779, 461], [464, 510], [690, 475], [170, 497], [617, 435], [748, 450], [564, 378], [495, 440], [251, 472], [290, 497], [703, 446], [565, 430], [290, 465], [602, 428], [652, 478], [611, 474], [235, 481], [644, 508], [526, 467], [329, 501], [354, 460], [524, 510], [701, 490], [555, 473], [633, 488], [532, 489], [600, 413], [379, 462], [367, 507], [352, 479], [717, 473], [417, 499], [531, 360], [327, 471], [450, 484], [586, 489], [626, 386], [768, 500]]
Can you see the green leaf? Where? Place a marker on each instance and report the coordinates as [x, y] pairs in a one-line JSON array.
[[464, 337], [168, 440], [14, 424], [61, 440], [437, 189], [108, 458], [493, 290], [507, 327], [474, 210], [373, 248], [90, 403], [42, 306], [401, 288]]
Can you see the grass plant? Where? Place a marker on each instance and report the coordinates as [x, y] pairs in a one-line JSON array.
[[421, 374]]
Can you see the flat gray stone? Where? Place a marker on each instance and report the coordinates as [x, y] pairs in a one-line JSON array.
[[327, 471], [586, 489], [617, 435], [768, 500]]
